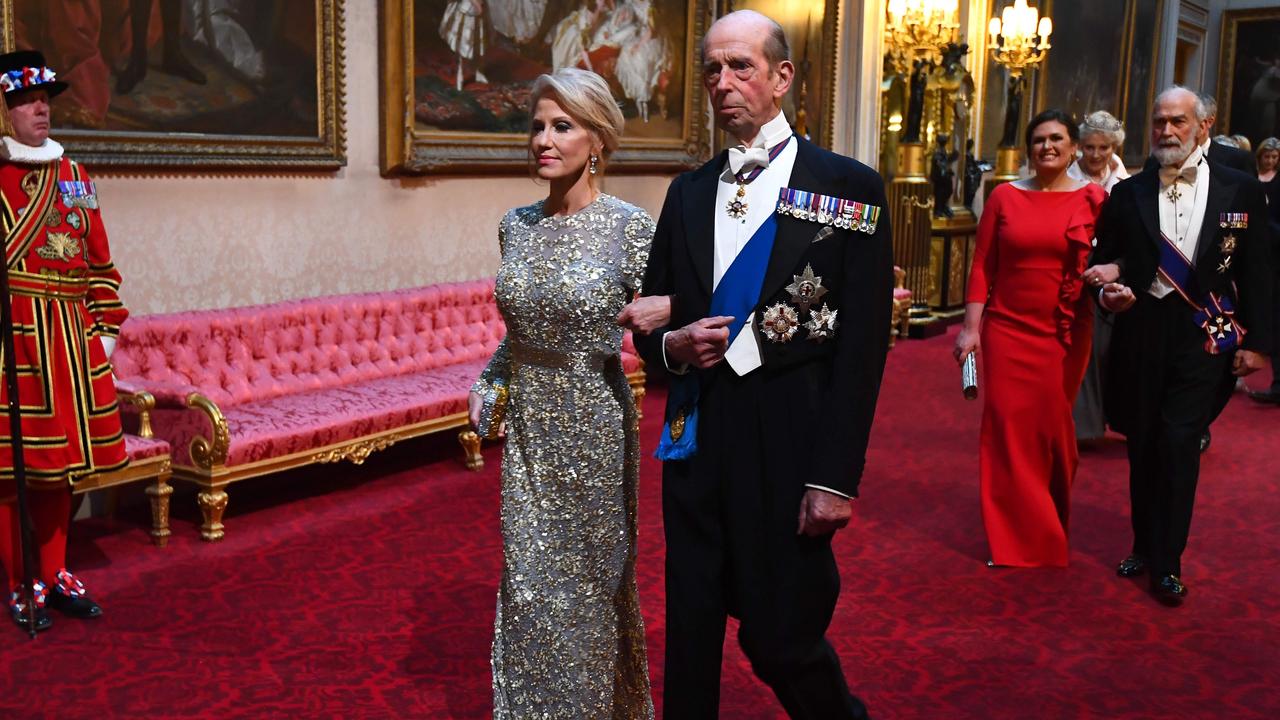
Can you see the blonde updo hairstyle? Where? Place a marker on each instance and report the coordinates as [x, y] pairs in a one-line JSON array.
[[1266, 145], [1106, 124], [586, 97]]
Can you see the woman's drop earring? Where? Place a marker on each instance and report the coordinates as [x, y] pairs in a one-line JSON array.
[[593, 170]]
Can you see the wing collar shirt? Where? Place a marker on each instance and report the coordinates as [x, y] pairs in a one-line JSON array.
[[732, 234], [1182, 214]]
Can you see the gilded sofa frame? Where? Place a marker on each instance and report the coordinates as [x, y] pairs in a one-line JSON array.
[[212, 476], [156, 469]]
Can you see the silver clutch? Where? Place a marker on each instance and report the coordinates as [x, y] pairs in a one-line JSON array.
[[493, 409], [969, 377]]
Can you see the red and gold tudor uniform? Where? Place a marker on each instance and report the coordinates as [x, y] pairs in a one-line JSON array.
[[64, 294], [64, 291]]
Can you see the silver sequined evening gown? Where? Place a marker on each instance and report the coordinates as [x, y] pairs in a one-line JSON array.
[[568, 638]]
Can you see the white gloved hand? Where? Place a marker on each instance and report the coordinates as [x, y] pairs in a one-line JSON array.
[[108, 344]]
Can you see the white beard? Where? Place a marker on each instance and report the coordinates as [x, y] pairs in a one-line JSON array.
[[1174, 156]]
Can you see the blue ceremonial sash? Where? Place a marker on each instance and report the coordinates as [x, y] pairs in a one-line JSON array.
[[736, 295], [1214, 314], [739, 289]]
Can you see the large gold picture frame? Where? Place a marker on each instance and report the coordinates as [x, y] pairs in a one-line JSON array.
[[434, 125], [274, 101], [1249, 74]]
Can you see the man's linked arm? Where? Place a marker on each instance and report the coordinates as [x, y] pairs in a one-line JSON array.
[[658, 278]]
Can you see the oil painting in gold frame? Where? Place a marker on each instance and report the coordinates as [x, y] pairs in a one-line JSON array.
[[456, 76], [211, 83]]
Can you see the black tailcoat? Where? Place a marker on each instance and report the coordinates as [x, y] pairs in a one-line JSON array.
[[1164, 387], [803, 417]]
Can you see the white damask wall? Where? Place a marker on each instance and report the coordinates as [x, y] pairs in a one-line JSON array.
[[192, 241]]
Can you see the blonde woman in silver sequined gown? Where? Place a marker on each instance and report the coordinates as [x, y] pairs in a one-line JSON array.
[[568, 637]]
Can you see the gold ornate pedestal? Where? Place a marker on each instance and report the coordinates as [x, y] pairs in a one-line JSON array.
[[1008, 163], [950, 253], [911, 212], [1008, 168]]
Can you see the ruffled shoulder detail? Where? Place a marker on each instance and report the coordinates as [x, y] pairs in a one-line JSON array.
[[1085, 216], [1079, 232]]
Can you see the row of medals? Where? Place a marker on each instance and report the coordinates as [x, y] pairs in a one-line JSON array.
[[850, 216]]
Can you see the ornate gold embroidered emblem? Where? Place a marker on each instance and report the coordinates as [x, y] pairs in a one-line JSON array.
[[29, 183], [1228, 244], [806, 289], [822, 324], [779, 322], [53, 218], [677, 426], [59, 246]]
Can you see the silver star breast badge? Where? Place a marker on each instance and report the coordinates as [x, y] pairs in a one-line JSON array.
[[822, 324], [779, 322], [806, 289]]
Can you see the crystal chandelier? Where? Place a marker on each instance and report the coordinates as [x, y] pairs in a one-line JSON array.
[[919, 30], [1019, 37]]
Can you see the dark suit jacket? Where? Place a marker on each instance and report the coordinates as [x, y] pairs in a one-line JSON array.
[[857, 270], [1128, 233]]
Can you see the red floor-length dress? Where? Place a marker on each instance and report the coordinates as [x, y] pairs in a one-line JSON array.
[[1031, 250]]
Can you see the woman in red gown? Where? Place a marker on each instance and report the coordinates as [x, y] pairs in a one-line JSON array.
[[1027, 316]]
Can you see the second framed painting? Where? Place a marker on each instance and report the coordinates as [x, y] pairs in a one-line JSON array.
[[192, 83], [1249, 74], [456, 76]]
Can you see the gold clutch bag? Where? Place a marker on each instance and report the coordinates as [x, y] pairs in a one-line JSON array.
[[492, 410]]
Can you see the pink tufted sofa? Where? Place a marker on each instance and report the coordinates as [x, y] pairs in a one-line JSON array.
[[243, 392]]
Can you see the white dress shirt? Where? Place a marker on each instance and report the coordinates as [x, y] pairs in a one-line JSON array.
[[732, 234], [1182, 218]]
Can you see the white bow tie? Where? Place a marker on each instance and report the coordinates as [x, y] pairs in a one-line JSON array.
[[747, 159]]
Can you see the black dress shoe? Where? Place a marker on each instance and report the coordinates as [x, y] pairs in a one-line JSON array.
[[1266, 397], [43, 621], [1169, 589], [1132, 566], [17, 609], [1205, 439], [79, 606]]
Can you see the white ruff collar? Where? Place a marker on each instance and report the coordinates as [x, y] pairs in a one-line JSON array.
[[14, 151]]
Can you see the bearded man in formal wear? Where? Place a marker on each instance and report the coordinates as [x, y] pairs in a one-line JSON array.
[[777, 258], [1194, 307]]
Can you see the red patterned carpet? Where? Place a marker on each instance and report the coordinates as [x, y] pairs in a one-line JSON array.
[[369, 592]]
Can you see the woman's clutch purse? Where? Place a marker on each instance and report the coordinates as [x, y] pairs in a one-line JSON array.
[[969, 376], [493, 409]]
